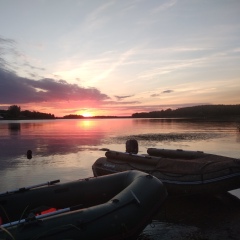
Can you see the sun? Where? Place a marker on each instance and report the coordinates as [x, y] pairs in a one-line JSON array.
[[87, 114]]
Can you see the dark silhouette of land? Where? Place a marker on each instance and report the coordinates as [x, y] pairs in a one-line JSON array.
[[74, 116], [14, 113], [202, 112]]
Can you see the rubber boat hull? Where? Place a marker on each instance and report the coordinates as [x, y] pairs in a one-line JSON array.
[[182, 172], [117, 206]]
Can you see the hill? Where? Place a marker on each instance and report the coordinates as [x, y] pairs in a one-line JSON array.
[[203, 111]]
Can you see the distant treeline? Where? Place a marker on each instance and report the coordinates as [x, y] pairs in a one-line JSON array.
[[73, 116], [14, 112], [36, 115], [204, 111]]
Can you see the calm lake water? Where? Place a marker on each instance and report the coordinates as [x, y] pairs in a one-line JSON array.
[[66, 150]]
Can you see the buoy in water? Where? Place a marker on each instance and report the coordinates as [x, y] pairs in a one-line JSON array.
[[29, 154], [132, 146]]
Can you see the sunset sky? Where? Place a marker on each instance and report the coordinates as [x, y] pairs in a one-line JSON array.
[[118, 57]]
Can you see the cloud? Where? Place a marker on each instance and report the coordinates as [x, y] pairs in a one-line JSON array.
[[23, 90], [95, 71], [121, 103], [6, 46], [16, 90], [167, 91], [6, 40], [13, 60], [33, 67], [155, 95], [114, 63], [97, 18], [165, 6], [158, 94], [119, 98]]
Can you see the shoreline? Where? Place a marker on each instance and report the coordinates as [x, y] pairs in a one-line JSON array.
[[202, 217]]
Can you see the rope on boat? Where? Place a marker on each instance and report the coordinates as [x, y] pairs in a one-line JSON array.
[[23, 189], [177, 174], [7, 232], [32, 218]]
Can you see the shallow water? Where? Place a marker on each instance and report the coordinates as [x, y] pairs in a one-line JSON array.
[[66, 150]]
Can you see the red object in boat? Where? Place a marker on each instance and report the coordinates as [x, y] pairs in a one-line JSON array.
[[48, 211]]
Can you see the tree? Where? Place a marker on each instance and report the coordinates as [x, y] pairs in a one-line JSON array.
[[14, 111]]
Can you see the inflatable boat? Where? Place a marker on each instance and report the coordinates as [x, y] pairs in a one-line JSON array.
[[117, 206], [182, 172]]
